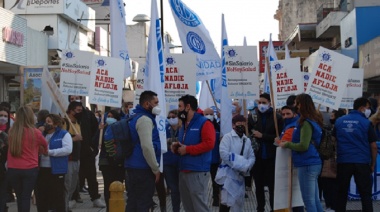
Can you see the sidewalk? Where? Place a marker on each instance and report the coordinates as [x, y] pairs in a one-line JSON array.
[[250, 202]]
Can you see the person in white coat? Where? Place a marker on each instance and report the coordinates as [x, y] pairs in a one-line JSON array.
[[237, 159]]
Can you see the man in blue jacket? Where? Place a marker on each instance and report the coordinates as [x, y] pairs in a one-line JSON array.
[[142, 166], [356, 154]]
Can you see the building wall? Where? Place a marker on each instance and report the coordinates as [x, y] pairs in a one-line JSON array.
[[369, 58], [294, 12], [37, 48]]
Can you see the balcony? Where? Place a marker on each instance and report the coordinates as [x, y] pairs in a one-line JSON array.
[[329, 27]]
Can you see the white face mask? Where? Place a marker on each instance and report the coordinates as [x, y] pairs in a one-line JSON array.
[[263, 108], [156, 110], [173, 121], [210, 117], [367, 113], [110, 120], [77, 100], [131, 111], [3, 120]]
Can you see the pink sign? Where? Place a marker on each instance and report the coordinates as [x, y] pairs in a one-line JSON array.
[[13, 37]]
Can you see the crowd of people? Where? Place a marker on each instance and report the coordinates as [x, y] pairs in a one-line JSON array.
[[54, 155]]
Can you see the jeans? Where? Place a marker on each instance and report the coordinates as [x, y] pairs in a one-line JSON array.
[[308, 179], [111, 174], [363, 180], [23, 182], [141, 184], [171, 173]]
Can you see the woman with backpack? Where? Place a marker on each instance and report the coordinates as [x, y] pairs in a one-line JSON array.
[[306, 136], [25, 144], [50, 189], [111, 169]]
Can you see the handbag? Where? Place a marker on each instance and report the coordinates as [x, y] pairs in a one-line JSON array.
[[329, 168]]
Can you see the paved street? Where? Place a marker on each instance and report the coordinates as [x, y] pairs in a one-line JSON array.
[[250, 203]]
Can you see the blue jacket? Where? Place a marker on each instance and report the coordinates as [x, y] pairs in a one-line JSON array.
[[59, 165], [352, 138], [289, 123], [188, 162], [169, 158], [311, 156], [137, 160]]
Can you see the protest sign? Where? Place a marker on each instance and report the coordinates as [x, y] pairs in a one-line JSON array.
[[242, 72], [306, 77], [139, 86], [59, 99], [75, 72], [179, 81], [286, 80], [329, 76], [106, 84], [354, 88]]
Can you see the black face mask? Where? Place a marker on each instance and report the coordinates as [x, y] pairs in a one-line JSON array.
[[240, 130], [182, 115], [332, 121], [48, 127], [78, 115]]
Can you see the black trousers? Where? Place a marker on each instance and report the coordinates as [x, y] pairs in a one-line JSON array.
[[263, 174], [363, 180], [215, 186], [111, 174], [87, 170], [50, 191]]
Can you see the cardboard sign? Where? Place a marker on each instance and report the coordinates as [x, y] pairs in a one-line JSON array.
[[242, 72], [179, 81], [306, 77], [106, 83], [354, 88], [329, 76], [286, 80], [59, 99], [139, 86], [75, 72]]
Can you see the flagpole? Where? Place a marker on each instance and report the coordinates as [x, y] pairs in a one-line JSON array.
[[271, 94], [213, 98], [162, 17]]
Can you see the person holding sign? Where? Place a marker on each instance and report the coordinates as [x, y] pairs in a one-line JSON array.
[[306, 136], [356, 154], [264, 131], [237, 159]]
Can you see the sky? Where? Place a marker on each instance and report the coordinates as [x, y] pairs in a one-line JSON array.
[[250, 18]]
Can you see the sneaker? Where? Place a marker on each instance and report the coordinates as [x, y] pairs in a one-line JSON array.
[[329, 210], [98, 203], [72, 204]]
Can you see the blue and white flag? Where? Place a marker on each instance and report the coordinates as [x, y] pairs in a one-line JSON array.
[[271, 55], [226, 103], [118, 34], [195, 38], [154, 71]]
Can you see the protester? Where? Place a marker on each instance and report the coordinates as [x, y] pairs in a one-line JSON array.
[[264, 132], [375, 120], [356, 137], [25, 143], [71, 177], [290, 118], [126, 110], [237, 159], [142, 166], [88, 151], [236, 108], [307, 134], [111, 169], [4, 127], [215, 156], [50, 188], [196, 140], [171, 160]]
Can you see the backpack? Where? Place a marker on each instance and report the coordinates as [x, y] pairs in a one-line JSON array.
[[326, 148], [118, 141]]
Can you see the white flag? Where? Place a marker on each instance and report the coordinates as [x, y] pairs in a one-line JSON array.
[[195, 38], [119, 47], [226, 103], [272, 56], [287, 53], [154, 71]]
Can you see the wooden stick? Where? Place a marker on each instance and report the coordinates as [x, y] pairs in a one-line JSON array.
[[213, 98], [272, 97], [246, 116], [101, 122]]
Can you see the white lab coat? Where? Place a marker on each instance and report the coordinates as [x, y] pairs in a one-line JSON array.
[[233, 168]]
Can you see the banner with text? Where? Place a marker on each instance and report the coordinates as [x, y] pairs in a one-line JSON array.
[[354, 88], [242, 72], [329, 76], [75, 72], [179, 81], [139, 86], [59, 99], [286, 80], [106, 85], [306, 76]]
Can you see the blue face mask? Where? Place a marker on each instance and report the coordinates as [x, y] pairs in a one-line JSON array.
[[110, 120]]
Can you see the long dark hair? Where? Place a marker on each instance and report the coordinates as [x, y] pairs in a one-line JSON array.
[[307, 110]]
